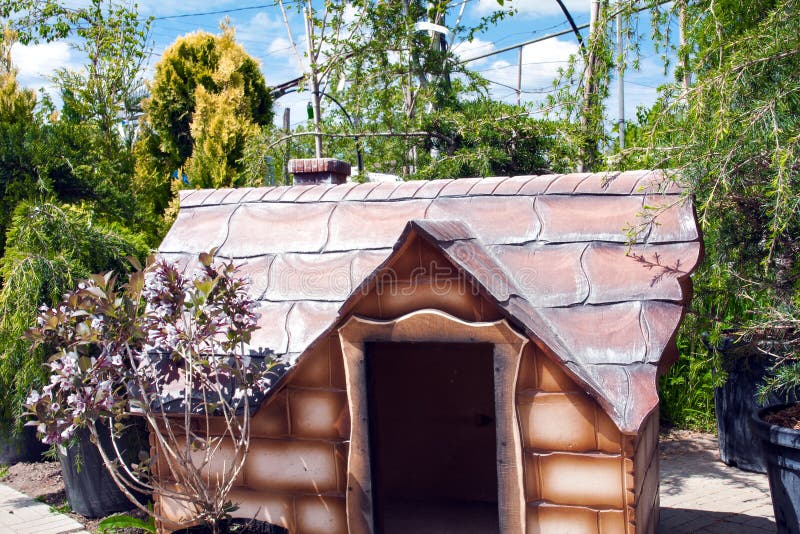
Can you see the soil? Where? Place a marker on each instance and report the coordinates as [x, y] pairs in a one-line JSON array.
[[788, 417], [43, 482]]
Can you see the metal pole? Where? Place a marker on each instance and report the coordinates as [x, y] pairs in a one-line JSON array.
[[287, 125], [621, 81], [513, 47], [589, 90], [519, 77]]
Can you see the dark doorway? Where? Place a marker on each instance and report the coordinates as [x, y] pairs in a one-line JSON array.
[[432, 437]]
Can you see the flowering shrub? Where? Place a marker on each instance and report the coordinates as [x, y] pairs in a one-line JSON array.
[[165, 347]]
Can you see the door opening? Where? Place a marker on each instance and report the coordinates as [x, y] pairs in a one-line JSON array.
[[433, 451]]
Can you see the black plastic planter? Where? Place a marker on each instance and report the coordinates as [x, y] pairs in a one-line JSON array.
[[735, 402], [21, 447], [781, 448], [91, 491]]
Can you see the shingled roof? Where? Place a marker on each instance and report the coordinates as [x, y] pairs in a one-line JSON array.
[[569, 259]]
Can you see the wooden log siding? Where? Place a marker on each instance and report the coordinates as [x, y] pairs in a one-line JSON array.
[[645, 488], [578, 465], [295, 473], [577, 468]]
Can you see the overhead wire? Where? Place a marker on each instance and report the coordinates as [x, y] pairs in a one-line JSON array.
[[537, 91], [217, 12], [515, 65], [178, 20]]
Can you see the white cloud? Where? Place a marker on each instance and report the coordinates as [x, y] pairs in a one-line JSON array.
[[540, 64], [36, 63], [351, 14], [534, 8], [279, 51], [279, 45], [254, 32], [469, 49]]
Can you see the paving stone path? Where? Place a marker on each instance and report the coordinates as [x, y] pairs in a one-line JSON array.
[[699, 494], [19, 514]]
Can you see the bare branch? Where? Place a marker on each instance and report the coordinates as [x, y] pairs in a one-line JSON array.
[[458, 21], [289, 32]]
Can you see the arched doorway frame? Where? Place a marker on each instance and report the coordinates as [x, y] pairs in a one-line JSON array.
[[431, 325]]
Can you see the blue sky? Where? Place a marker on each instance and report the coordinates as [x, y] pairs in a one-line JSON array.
[[262, 32]]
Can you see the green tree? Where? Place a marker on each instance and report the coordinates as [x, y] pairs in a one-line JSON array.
[[218, 69], [111, 36], [19, 133], [83, 154], [207, 98], [49, 248], [106, 91], [388, 77], [729, 123], [486, 138]]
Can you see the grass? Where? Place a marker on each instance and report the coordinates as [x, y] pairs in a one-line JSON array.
[[63, 508], [3, 471], [687, 393]]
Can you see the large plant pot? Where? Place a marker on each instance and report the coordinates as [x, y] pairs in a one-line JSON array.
[[781, 449], [20, 447], [735, 402], [91, 491]]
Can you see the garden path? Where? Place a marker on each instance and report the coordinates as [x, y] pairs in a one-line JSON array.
[[700, 494], [19, 514]]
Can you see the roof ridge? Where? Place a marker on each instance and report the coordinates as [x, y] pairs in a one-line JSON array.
[[626, 183]]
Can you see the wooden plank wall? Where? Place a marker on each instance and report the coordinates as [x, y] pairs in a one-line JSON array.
[[645, 460], [581, 474]]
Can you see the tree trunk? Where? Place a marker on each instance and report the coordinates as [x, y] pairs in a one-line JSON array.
[[588, 119], [314, 82]]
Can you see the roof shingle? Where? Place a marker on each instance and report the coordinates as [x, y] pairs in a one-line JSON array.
[[573, 260]]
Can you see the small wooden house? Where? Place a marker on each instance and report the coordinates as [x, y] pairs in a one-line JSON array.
[[472, 355]]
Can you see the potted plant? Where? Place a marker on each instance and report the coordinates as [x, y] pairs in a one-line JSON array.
[[778, 424], [742, 368], [90, 488], [19, 445], [779, 429], [166, 349], [49, 247]]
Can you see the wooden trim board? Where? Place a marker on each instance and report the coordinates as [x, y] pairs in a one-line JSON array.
[[431, 325]]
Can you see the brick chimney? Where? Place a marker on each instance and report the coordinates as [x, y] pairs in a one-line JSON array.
[[319, 171]]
